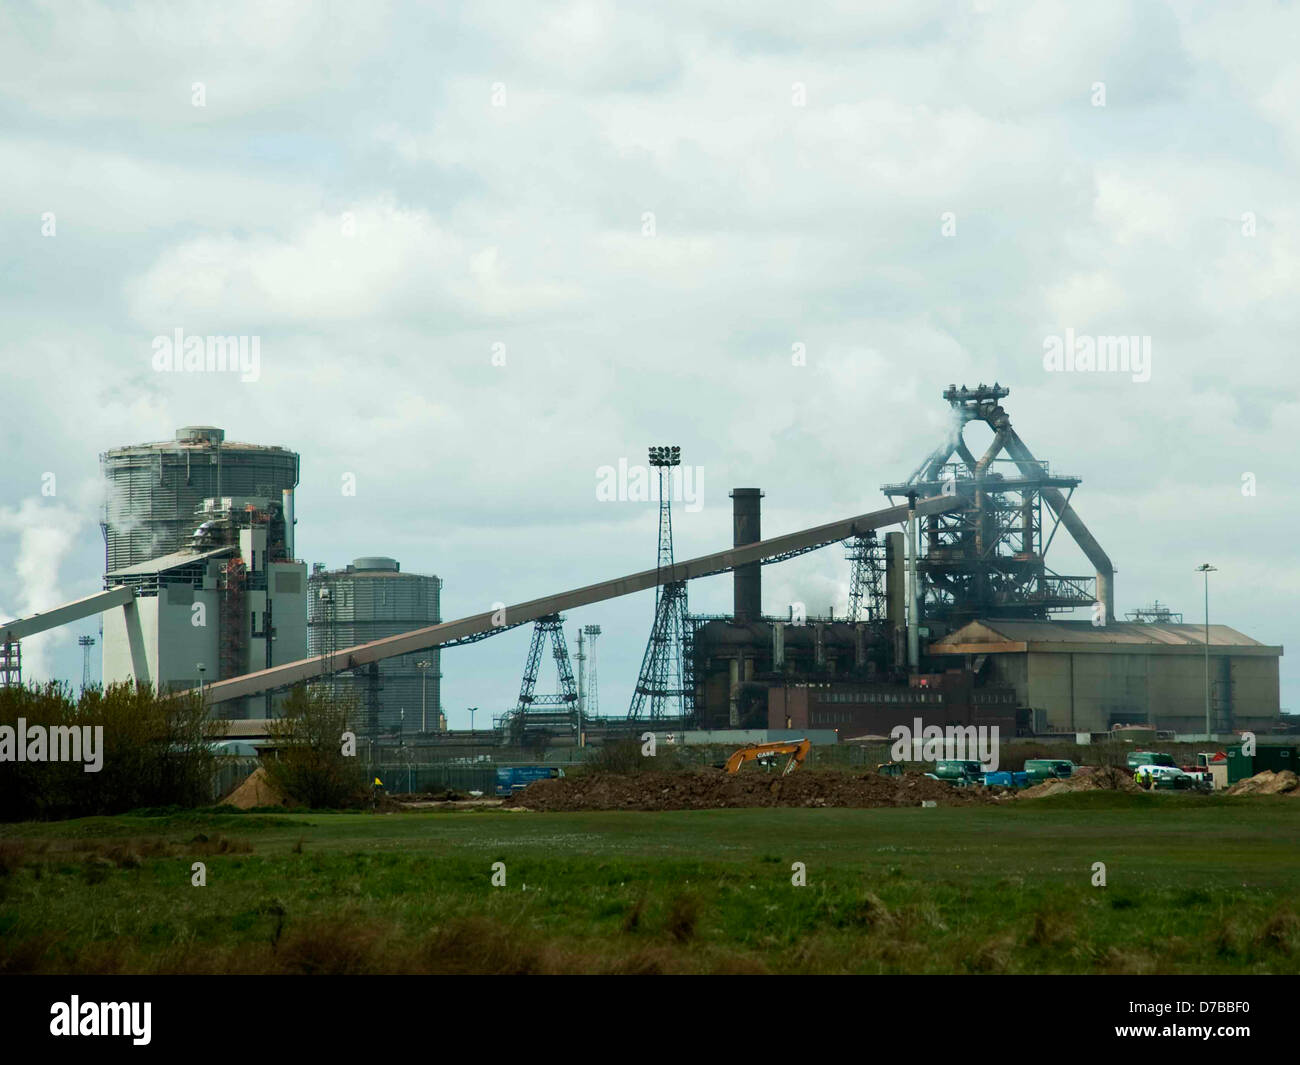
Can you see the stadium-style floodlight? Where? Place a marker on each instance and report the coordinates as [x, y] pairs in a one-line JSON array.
[[665, 456]]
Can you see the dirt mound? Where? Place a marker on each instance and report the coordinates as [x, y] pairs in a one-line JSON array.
[[1106, 778], [1267, 783], [256, 790], [707, 789]]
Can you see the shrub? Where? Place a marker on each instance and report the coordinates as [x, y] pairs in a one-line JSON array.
[[309, 765], [155, 751]]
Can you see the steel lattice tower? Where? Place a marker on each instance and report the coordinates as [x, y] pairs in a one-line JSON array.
[[588, 704], [662, 673], [551, 625], [591, 705], [86, 642], [866, 587]]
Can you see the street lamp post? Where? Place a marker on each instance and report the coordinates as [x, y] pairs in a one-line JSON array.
[[1207, 569], [423, 667], [471, 721], [202, 669]]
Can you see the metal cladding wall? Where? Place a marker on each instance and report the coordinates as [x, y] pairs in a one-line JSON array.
[[367, 601], [154, 489]]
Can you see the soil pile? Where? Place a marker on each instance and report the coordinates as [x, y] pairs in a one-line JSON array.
[[1106, 778], [708, 789], [256, 790], [1267, 783]]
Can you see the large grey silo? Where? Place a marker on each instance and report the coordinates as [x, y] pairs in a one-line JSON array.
[[370, 599], [154, 489]]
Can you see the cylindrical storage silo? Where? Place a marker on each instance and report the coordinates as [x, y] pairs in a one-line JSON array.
[[371, 599], [153, 490]]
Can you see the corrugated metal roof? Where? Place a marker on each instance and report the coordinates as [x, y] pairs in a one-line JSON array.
[[246, 728], [165, 562], [993, 631]]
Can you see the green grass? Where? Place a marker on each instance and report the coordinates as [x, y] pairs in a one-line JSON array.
[[1194, 884]]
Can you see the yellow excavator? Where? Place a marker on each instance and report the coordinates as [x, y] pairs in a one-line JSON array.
[[765, 754]]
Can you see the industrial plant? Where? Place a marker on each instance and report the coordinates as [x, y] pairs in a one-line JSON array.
[[950, 619]]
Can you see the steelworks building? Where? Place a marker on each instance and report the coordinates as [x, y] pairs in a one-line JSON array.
[[1076, 677]]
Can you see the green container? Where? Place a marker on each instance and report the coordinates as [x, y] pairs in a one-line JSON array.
[[1240, 766], [1275, 757]]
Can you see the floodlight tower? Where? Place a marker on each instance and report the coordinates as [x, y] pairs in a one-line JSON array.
[[581, 660], [86, 642], [662, 673], [591, 703]]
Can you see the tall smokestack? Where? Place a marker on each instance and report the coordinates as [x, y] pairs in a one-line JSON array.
[[286, 511], [746, 511], [896, 594]]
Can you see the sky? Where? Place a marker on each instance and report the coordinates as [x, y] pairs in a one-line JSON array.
[[489, 248]]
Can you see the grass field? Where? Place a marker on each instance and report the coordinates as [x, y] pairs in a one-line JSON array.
[[1194, 884]]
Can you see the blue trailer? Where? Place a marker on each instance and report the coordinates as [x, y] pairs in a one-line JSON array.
[[511, 779]]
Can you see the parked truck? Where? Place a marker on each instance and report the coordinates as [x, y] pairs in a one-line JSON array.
[[1040, 769], [960, 772], [513, 778], [1137, 758]]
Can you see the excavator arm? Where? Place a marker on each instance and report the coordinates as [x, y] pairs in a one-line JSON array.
[[796, 749]]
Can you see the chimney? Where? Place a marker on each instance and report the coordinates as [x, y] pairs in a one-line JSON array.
[[896, 594], [747, 529], [286, 511]]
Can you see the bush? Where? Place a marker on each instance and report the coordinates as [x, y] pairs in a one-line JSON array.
[[309, 765], [155, 751]]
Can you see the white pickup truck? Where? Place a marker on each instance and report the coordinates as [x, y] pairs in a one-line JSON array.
[[1168, 777]]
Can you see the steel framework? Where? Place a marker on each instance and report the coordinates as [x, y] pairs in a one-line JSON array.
[[1156, 613], [988, 560], [661, 681], [866, 580], [11, 664], [526, 713]]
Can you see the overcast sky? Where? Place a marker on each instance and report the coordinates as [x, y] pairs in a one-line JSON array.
[[643, 211]]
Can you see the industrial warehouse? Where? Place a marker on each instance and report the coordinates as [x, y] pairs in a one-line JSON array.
[[949, 619]]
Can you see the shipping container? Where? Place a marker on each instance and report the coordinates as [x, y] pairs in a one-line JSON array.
[[1240, 766], [1275, 757]]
